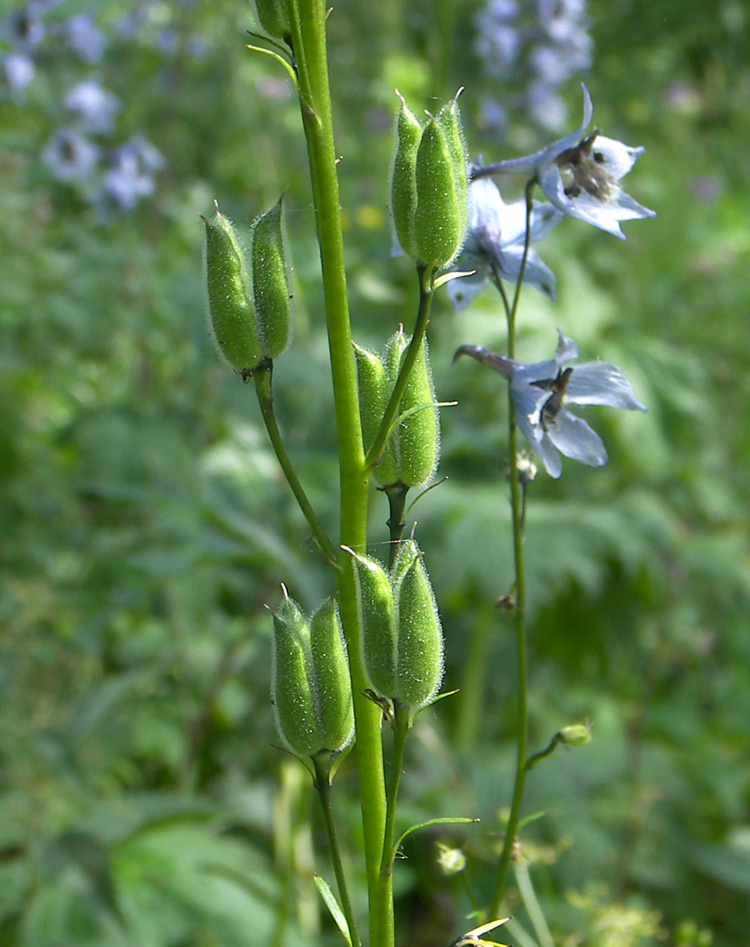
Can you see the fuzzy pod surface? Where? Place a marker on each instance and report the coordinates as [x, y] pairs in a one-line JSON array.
[[378, 624], [374, 392], [417, 437], [272, 295], [403, 187], [449, 117], [420, 636], [231, 313], [440, 220], [291, 684], [332, 689]]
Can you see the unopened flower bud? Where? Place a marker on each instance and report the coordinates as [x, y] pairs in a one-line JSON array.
[[404, 177], [449, 117], [442, 214], [419, 659], [272, 295], [310, 688], [577, 734], [273, 17], [230, 302]]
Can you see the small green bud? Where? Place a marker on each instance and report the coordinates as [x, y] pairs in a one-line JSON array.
[[374, 392], [417, 438], [291, 686], [577, 734], [420, 637], [271, 291], [377, 621], [441, 216], [332, 687], [310, 689], [230, 303], [404, 177], [273, 17]]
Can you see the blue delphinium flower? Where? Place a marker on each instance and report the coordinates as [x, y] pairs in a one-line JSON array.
[[495, 242], [132, 175], [94, 107], [540, 392], [19, 71], [85, 38], [580, 175], [70, 156]]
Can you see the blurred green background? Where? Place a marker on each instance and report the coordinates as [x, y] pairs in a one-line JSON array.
[[145, 522]]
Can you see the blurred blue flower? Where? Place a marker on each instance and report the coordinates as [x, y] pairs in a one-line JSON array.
[[19, 71], [70, 156], [85, 38], [24, 28], [132, 175], [581, 175], [540, 392], [93, 106], [495, 242]]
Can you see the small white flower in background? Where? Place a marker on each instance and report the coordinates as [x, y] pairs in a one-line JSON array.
[[540, 392], [581, 175], [495, 241], [93, 106], [70, 156]]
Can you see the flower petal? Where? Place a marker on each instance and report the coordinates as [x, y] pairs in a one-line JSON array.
[[617, 157], [573, 437], [464, 290], [536, 274], [601, 383]]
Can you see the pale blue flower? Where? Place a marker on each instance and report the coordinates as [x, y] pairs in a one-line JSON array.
[[19, 71], [132, 175], [94, 107], [86, 40], [580, 175], [70, 156], [540, 392], [495, 243]]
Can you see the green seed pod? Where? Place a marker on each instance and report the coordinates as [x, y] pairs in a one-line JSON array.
[[377, 621], [291, 685], [449, 117], [404, 178], [273, 17], [440, 220], [271, 291], [332, 687], [417, 438], [230, 303], [374, 392], [420, 637]]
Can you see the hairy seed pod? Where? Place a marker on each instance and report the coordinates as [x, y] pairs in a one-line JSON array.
[[332, 689], [417, 438], [449, 117], [420, 637], [230, 302], [377, 621], [440, 220], [271, 291], [403, 177], [291, 685], [374, 392], [273, 17]]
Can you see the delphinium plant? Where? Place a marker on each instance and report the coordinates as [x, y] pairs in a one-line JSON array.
[[371, 656]]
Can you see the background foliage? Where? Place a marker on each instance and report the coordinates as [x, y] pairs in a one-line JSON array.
[[145, 522]]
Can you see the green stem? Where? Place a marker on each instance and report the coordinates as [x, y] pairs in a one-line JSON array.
[[401, 725], [425, 275], [323, 785], [533, 908], [518, 516], [264, 389], [473, 705], [309, 44], [396, 494], [543, 754]]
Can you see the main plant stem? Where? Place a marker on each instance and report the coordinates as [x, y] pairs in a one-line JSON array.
[[309, 47], [518, 516]]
